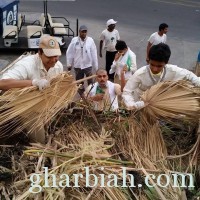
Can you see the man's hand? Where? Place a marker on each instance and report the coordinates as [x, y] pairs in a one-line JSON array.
[[197, 84], [117, 55], [137, 105], [40, 83], [100, 55], [97, 97], [195, 81], [125, 68]]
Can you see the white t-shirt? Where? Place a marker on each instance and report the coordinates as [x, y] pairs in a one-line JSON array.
[[110, 39], [155, 38], [31, 67]]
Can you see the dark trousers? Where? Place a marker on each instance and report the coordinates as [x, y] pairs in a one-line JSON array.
[[79, 73], [109, 60]]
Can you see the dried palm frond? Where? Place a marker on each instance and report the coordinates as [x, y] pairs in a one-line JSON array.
[[31, 106], [71, 158], [144, 145], [171, 100], [77, 145]]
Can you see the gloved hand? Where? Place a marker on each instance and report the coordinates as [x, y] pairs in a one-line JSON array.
[[196, 81], [40, 83], [139, 104]]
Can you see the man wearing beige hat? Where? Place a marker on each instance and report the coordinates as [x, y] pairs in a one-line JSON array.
[[108, 40], [35, 70]]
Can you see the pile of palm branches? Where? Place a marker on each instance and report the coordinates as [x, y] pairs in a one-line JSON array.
[[172, 100], [107, 143], [31, 106]]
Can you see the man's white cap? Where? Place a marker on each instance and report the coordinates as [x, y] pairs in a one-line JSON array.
[[111, 21], [50, 46]]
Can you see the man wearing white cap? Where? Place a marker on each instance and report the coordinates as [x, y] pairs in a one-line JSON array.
[[36, 70], [108, 40]]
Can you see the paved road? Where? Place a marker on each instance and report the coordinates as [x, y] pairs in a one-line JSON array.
[[137, 19]]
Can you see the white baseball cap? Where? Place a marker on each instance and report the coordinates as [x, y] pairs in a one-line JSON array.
[[111, 21]]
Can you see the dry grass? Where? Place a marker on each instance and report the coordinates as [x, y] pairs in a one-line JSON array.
[[112, 141], [172, 100], [78, 145], [31, 106]]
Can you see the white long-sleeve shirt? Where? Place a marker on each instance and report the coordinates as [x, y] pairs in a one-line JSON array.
[[143, 79], [128, 59], [82, 54]]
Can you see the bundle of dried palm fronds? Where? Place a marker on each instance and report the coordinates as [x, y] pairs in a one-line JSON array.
[[31, 106], [172, 99]]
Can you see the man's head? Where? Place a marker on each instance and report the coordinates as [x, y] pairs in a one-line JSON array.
[[121, 47], [163, 28], [83, 32], [49, 51], [158, 57], [111, 24], [102, 77]]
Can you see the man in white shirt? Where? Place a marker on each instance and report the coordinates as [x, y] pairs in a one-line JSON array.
[[157, 71], [103, 94], [82, 56], [108, 40], [124, 63], [36, 70], [157, 37]]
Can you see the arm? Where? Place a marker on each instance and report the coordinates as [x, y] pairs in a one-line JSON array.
[[123, 81], [94, 55], [148, 48], [128, 90], [70, 55], [195, 80], [133, 65], [114, 64], [118, 36], [127, 95], [165, 41], [100, 48], [118, 90], [19, 77], [6, 84], [97, 97]]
